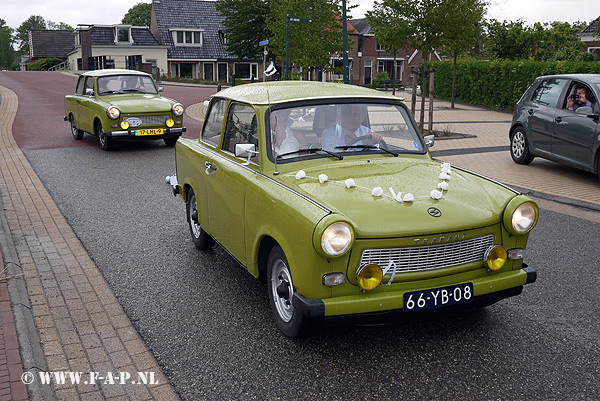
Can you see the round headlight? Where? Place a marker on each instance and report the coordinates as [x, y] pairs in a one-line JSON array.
[[170, 122], [495, 257], [113, 112], [337, 238], [178, 109], [524, 218], [369, 277]]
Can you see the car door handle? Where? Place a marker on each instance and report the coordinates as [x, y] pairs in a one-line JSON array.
[[79, 101], [558, 119], [210, 169], [530, 111]]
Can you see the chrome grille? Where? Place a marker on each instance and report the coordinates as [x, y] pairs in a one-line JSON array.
[[431, 257], [147, 120]]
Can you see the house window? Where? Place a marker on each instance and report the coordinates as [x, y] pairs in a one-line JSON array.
[[187, 37], [123, 35], [246, 70], [185, 70], [378, 47]]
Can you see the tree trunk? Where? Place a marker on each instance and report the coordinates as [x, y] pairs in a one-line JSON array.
[[423, 91], [431, 77], [453, 83]]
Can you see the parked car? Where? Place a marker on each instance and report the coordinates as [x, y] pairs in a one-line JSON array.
[[557, 119], [328, 193], [122, 104]]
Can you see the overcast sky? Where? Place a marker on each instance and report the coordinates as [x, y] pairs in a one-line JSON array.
[[74, 12]]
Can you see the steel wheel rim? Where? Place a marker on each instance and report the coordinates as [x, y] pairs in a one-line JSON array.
[[193, 224], [518, 146], [73, 129], [280, 275]]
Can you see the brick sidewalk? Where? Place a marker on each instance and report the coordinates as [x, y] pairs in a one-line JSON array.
[[11, 368], [82, 327]]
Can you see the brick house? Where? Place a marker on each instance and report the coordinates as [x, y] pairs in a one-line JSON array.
[[591, 37]]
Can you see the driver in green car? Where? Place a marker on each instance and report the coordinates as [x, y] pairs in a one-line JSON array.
[[351, 128]]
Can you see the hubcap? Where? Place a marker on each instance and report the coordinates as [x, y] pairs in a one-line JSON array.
[[518, 145], [282, 290], [194, 217]]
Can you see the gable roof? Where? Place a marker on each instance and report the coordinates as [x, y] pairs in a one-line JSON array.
[[104, 35], [362, 26], [45, 43], [592, 28], [190, 14]]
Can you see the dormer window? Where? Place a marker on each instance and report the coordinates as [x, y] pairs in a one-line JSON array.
[[187, 37], [123, 35]]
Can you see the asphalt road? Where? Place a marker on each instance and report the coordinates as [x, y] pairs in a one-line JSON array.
[[208, 322]]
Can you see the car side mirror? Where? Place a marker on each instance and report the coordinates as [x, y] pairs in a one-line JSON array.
[[429, 140], [89, 92], [586, 111], [245, 149], [161, 88]]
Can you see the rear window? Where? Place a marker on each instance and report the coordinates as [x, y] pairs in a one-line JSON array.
[[548, 92]]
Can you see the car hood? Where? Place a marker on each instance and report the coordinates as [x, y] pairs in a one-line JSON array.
[[470, 202], [136, 103]]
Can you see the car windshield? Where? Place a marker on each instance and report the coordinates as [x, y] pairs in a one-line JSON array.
[[113, 84], [341, 129]]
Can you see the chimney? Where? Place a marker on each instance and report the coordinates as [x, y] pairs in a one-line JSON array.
[[85, 38]]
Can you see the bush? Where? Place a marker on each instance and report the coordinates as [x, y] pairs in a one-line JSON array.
[[43, 64], [498, 84], [377, 81]]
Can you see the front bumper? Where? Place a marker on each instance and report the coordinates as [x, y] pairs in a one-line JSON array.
[[168, 132], [487, 291]]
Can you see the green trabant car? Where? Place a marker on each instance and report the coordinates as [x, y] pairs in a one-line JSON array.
[[122, 104], [329, 194]]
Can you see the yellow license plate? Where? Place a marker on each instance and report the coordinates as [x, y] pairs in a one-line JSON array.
[[150, 131]]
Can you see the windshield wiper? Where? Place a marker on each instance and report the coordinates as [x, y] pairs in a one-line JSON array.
[[376, 147], [313, 150]]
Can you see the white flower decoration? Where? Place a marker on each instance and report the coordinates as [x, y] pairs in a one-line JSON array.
[[408, 197], [377, 191], [323, 178], [300, 175], [444, 176], [446, 168], [350, 183], [443, 186], [435, 194]]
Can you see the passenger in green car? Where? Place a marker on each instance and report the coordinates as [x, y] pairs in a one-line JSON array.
[[282, 137]]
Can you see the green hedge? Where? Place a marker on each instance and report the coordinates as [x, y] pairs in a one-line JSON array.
[[498, 84]]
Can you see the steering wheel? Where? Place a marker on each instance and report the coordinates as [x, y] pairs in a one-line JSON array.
[[369, 137]]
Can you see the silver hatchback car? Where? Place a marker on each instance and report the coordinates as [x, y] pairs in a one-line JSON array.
[[558, 118]]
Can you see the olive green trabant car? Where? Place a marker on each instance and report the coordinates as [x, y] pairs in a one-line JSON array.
[[122, 104], [328, 192]]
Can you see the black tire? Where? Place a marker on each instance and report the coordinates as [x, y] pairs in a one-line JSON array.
[[77, 133], [280, 291], [170, 141], [104, 140], [598, 166], [200, 238], [519, 147]]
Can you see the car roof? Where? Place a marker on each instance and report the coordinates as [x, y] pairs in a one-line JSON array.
[[113, 71], [291, 91], [595, 78]]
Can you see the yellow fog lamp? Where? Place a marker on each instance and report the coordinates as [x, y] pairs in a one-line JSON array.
[[124, 124], [170, 122], [495, 257], [369, 277]]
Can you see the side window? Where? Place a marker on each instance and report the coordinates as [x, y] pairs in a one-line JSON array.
[[214, 123], [579, 95], [79, 89], [89, 83], [241, 127], [548, 92]]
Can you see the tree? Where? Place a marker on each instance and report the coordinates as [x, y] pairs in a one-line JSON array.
[[60, 26], [464, 26], [310, 44], [6, 45], [139, 15], [391, 30], [245, 23], [33, 22]]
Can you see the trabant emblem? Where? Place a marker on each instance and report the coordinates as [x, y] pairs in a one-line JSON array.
[[434, 212], [133, 121]]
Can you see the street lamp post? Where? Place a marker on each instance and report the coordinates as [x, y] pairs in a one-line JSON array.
[[345, 43]]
